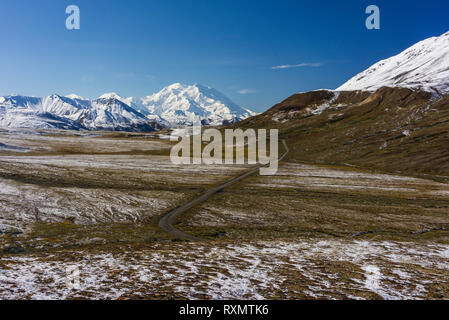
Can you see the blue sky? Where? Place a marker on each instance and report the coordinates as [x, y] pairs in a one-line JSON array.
[[137, 47]]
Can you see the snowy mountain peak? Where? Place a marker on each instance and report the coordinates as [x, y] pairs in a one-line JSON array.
[[180, 104], [425, 65], [110, 95], [175, 86], [75, 97], [55, 96]]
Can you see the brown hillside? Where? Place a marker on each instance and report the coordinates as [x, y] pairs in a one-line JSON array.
[[394, 129]]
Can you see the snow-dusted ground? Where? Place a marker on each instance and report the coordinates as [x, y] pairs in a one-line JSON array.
[[21, 205], [93, 186], [8, 147], [258, 270], [123, 162], [319, 109], [292, 175], [51, 141], [320, 200], [298, 268]]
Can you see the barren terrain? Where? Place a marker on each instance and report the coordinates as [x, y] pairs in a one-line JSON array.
[[91, 202]]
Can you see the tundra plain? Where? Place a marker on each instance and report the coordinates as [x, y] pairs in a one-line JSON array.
[[92, 201]]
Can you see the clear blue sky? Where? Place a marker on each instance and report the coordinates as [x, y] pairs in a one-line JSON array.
[[137, 47]]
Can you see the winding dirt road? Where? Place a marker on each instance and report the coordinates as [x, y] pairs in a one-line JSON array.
[[167, 219]]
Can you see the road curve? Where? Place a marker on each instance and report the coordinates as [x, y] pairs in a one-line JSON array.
[[167, 219]]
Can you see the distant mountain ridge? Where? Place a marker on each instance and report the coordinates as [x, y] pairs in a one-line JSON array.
[[175, 105], [180, 104], [58, 112]]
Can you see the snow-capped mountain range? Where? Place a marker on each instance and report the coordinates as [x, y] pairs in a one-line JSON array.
[[425, 65], [174, 106]]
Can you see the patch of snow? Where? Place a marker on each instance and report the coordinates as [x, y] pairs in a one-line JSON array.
[[255, 270]]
